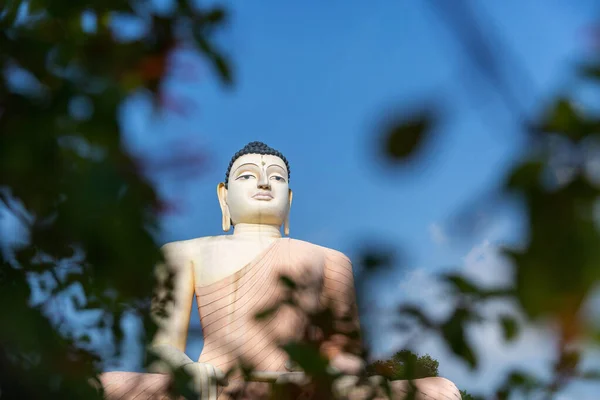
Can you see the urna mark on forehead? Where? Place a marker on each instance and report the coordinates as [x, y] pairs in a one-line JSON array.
[[269, 156]]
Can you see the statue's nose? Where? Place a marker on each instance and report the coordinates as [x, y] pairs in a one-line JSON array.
[[263, 182]]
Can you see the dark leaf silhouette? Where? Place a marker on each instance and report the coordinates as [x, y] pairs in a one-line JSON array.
[[564, 118], [510, 327], [405, 137], [454, 333]]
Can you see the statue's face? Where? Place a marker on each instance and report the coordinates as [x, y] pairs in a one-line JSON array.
[[258, 190]]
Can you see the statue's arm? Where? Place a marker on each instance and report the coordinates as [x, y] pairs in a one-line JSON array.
[[342, 347], [172, 305]]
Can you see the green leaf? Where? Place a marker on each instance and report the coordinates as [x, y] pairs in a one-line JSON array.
[[461, 284], [223, 68], [568, 361], [215, 16], [590, 71], [85, 339], [376, 258], [510, 327], [288, 282], [307, 357], [525, 176], [415, 312], [563, 118], [266, 313], [9, 13], [464, 395], [592, 375], [213, 55], [405, 137], [454, 333], [521, 380]]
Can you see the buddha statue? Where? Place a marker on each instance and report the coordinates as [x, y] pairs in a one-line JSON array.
[[236, 276]]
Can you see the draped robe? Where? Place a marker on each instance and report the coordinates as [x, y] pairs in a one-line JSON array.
[[231, 333]]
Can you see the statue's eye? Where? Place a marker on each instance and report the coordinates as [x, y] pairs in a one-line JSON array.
[[246, 177], [278, 178]]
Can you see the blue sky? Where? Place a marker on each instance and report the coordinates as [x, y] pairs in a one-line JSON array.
[[313, 79]]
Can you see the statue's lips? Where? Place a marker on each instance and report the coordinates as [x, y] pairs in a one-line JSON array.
[[263, 196]]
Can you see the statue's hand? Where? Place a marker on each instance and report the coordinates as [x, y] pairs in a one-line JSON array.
[[168, 359], [298, 378], [205, 378], [436, 388], [352, 387]]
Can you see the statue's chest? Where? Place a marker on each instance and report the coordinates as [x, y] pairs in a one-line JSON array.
[[221, 259], [229, 258], [229, 300]]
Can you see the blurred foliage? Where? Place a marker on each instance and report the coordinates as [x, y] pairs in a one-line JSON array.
[[556, 270], [88, 209], [464, 395], [405, 364]]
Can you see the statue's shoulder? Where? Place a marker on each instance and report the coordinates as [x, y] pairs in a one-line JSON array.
[[330, 254], [182, 245], [184, 250], [194, 243]]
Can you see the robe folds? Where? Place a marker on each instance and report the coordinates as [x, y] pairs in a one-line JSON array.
[[232, 334]]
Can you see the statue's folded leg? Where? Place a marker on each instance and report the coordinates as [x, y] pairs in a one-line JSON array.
[[145, 386], [135, 385], [241, 390], [435, 388]]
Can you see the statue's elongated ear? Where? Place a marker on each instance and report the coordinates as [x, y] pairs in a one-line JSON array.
[[222, 195], [286, 224]]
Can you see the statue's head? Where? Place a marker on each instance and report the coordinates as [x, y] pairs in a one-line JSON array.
[[256, 188]]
